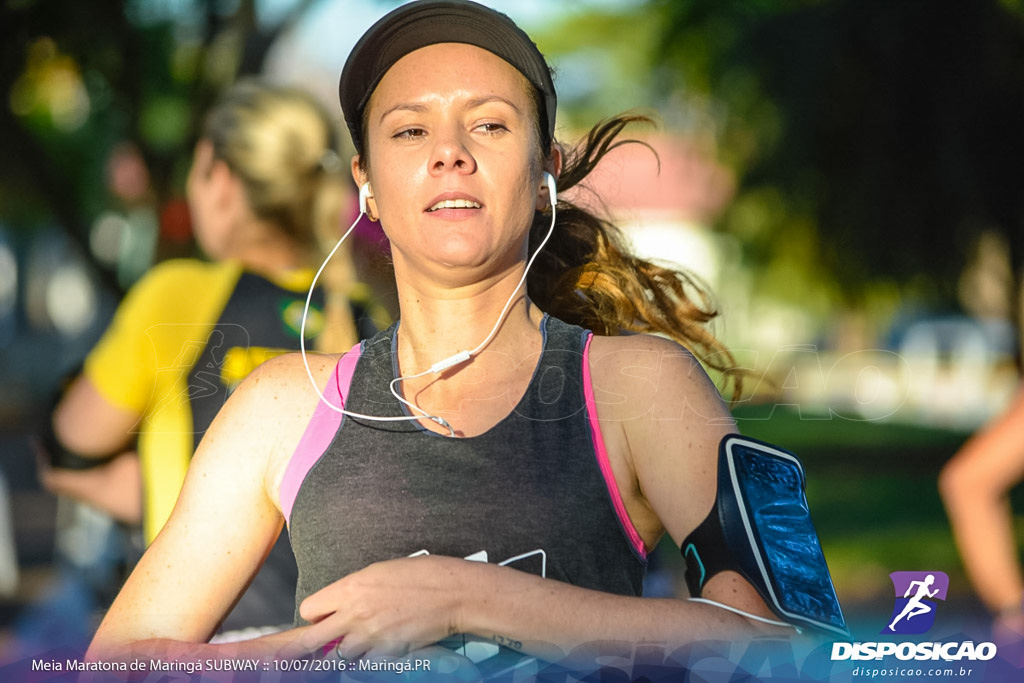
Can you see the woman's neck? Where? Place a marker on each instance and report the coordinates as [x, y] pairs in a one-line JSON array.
[[474, 394], [265, 250], [438, 323]]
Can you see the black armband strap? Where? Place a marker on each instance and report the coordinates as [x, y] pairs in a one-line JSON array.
[[760, 526], [65, 459], [706, 552]]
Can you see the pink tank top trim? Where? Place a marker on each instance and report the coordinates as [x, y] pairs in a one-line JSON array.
[[320, 431], [601, 452]]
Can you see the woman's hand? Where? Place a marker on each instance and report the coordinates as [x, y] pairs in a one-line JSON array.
[[392, 607]]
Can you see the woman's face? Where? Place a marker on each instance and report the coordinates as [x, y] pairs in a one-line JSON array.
[[453, 162], [204, 191]]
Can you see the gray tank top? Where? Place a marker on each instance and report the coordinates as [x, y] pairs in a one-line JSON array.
[[531, 493]]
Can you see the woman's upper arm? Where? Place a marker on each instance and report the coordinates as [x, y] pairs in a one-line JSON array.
[[665, 419], [671, 437], [224, 522], [101, 409], [690, 415]]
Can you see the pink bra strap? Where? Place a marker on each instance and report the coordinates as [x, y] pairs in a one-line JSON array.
[[320, 431], [601, 453]]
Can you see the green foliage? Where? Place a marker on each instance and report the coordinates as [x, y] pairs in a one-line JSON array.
[[892, 129], [86, 77], [601, 62]]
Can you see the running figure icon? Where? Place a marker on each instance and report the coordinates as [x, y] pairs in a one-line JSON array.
[[915, 605]]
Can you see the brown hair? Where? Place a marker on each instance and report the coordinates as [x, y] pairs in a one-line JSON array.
[[585, 275]]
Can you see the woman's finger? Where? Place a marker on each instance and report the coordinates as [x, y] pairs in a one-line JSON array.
[[352, 648]]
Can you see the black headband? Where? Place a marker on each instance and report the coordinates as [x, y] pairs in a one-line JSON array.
[[428, 22]]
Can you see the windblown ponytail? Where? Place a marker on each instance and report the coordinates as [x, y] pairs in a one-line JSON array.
[[587, 276]]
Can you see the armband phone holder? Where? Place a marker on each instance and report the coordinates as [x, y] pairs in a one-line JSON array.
[[760, 526]]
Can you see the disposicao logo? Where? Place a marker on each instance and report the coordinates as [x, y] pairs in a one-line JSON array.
[[916, 593], [914, 613]]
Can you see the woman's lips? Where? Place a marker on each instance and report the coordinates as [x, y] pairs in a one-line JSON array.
[[455, 204], [453, 201]]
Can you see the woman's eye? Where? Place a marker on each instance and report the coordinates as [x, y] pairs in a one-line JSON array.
[[410, 133], [491, 128]]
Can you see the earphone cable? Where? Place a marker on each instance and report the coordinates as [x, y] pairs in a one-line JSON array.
[[440, 366], [302, 341]]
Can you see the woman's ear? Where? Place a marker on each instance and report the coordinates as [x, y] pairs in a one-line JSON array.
[[554, 161], [358, 176], [365, 191], [202, 158], [552, 168], [211, 181]]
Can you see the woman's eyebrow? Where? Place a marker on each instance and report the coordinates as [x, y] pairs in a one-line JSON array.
[[472, 103], [475, 102], [404, 106]]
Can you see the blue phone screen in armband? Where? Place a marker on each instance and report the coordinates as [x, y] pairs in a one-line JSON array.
[[761, 527]]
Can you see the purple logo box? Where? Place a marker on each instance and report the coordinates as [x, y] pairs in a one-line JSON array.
[[915, 606]]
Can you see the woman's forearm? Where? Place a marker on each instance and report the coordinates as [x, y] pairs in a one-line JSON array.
[[984, 535], [393, 607], [295, 643], [113, 487], [554, 620]]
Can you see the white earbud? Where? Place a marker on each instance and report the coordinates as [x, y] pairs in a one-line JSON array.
[[364, 194], [552, 190]]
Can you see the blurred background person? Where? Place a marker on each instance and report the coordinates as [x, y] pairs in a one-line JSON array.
[[266, 191], [976, 483], [975, 486]]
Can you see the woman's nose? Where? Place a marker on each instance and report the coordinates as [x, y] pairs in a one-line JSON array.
[[451, 153]]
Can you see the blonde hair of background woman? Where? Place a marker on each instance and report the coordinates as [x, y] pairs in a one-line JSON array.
[[282, 145]]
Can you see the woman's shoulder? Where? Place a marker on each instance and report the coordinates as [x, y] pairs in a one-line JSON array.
[[278, 398], [295, 372], [184, 280], [174, 292], [182, 270], [637, 342], [285, 380], [612, 354], [651, 375]]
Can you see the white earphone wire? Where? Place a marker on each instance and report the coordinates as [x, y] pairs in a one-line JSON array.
[[748, 615], [463, 356], [440, 366], [302, 340]]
